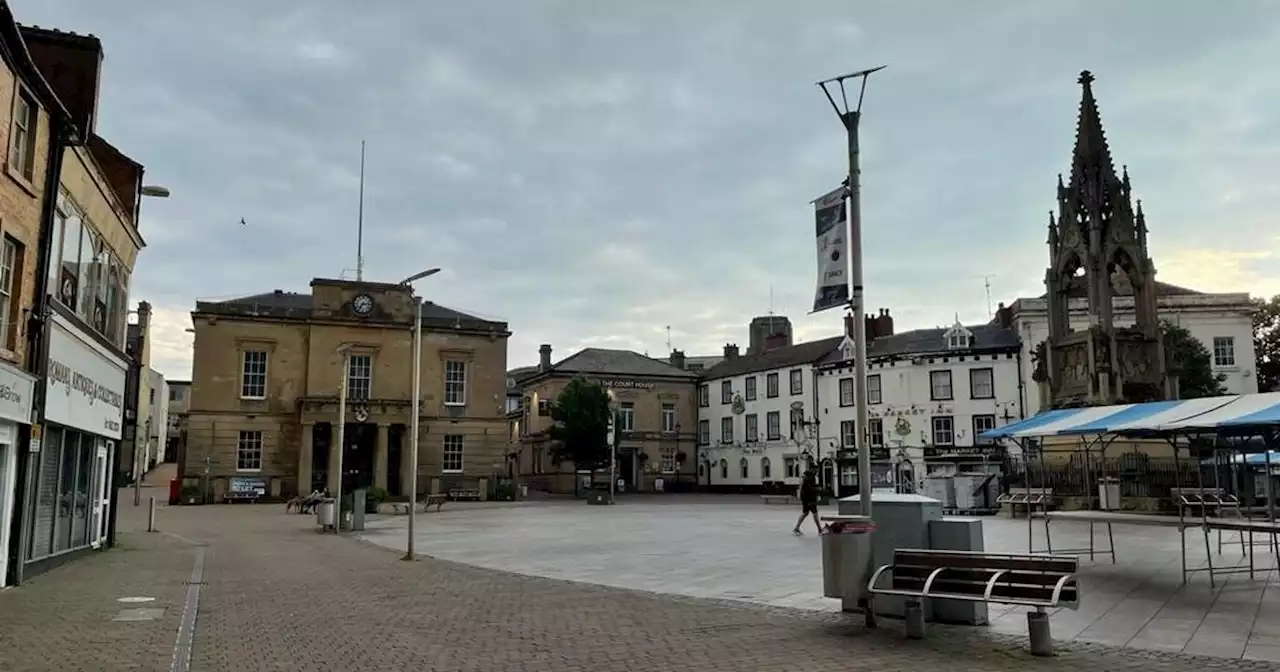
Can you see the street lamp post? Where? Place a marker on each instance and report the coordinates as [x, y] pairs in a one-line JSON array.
[[415, 412], [613, 445], [850, 118], [342, 434]]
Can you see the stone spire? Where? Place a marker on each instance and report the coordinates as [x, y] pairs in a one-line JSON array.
[[1092, 156]]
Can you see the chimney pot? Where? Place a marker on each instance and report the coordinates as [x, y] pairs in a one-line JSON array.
[[544, 359], [677, 359]]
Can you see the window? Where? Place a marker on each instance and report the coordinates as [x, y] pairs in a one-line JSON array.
[[982, 384], [873, 389], [943, 431], [253, 380], [667, 460], [846, 391], [771, 385], [1224, 351], [791, 466], [151, 396], [744, 468], [704, 396], [848, 437], [766, 469], [726, 430], [249, 451], [940, 385], [726, 392], [704, 432], [797, 422], [753, 427], [22, 151], [750, 386], [724, 469], [875, 430], [67, 281], [88, 280], [627, 417], [983, 423], [10, 291], [359, 376], [451, 456], [773, 425], [797, 381], [455, 382], [668, 418]]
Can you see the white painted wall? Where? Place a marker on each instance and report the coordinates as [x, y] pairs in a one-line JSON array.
[[158, 415], [778, 451], [1205, 316]]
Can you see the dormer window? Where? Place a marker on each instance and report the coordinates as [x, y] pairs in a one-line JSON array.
[[846, 350], [958, 337]]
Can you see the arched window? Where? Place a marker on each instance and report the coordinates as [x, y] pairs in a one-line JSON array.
[[764, 468], [742, 466], [702, 469], [724, 468]]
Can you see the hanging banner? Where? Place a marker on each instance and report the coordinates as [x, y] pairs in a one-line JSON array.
[[833, 251]]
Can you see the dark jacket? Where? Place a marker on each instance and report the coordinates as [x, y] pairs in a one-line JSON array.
[[809, 491]]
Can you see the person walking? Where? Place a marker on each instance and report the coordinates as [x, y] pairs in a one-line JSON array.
[[808, 502]]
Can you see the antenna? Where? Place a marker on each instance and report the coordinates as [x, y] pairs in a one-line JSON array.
[[986, 282], [360, 222], [668, 338]]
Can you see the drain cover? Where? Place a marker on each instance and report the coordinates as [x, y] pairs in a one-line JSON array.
[[139, 615], [136, 600]]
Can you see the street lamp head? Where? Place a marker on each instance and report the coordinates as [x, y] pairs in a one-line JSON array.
[[155, 191], [418, 276]]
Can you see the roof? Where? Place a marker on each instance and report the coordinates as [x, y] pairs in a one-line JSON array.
[[792, 355], [298, 305], [925, 341], [601, 361], [1224, 414], [1079, 291]]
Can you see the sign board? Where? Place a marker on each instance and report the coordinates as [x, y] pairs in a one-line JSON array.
[[85, 387], [17, 387], [621, 384], [247, 484]]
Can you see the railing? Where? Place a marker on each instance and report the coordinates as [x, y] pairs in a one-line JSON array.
[[1139, 475]]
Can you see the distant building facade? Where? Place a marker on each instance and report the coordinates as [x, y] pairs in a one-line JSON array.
[[267, 376]]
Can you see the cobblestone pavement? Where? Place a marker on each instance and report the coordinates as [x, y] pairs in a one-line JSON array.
[[279, 596]]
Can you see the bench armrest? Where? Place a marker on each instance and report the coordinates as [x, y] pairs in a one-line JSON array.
[[871, 585], [1062, 583]]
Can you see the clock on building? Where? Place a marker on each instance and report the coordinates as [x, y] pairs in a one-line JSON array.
[[362, 304]]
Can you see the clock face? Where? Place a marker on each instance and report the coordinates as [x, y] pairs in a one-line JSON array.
[[363, 304]]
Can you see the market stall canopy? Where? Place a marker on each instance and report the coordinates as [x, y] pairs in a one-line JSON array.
[[1122, 419], [1246, 411]]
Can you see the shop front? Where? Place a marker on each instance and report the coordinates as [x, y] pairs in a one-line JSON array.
[[16, 390], [83, 420]]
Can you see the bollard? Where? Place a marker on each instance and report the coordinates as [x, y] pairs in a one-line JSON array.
[[151, 516], [1038, 629], [913, 615]]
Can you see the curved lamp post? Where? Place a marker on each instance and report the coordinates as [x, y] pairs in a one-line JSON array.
[[417, 408]]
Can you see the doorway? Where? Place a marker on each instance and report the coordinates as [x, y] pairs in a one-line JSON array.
[[357, 458], [98, 527], [627, 469], [8, 475]]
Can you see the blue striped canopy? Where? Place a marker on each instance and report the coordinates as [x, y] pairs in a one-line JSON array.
[[1208, 414]]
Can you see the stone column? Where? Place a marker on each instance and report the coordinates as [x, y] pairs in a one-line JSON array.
[[380, 457], [305, 452]]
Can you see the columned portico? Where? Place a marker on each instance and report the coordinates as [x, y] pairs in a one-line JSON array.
[[305, 452], [380, 456]]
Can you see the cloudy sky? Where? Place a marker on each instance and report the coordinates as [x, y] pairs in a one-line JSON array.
[[593, 171]]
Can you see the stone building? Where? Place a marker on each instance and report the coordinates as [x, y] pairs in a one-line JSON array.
[[266, 377], [656, 403]]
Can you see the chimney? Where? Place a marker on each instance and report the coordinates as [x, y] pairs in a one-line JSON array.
[[677, 359], [730, 350], [1004, 316], [544, 360], [848, 326], [884, 323], [871, 322]]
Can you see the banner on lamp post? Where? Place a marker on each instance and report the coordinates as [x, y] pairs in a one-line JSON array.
[[831, 219]]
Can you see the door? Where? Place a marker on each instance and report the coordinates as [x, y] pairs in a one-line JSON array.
[[8, 471], [101, 474]]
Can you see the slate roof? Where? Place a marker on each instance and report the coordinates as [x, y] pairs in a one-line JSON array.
[[298, 305], [793, 355], [927, 341], [601, 361], [1079, 291]]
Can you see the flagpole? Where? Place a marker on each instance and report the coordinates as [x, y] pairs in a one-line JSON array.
[[360, 222]]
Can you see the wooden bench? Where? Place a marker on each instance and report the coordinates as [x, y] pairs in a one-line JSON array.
[[1038, 581], [427, 501], [782, 499], [464, 494]]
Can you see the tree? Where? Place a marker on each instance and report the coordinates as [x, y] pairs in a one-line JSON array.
[[1266, 343], [581, 431], [1191, 363]]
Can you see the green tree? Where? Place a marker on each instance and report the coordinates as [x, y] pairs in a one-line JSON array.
[[581, 431], [1266, 343], [1191, 363]]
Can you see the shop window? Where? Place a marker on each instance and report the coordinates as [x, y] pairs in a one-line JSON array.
[[88, 282], [46, 509], [68, 282]]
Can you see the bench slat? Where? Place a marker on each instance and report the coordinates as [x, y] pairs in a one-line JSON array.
[[935, 560], [978, 589], [979, 575]]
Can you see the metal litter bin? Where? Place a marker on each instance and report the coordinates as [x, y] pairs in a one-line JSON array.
[[324, 513], [846, 556], [1109, 493]]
